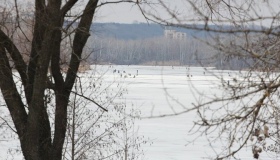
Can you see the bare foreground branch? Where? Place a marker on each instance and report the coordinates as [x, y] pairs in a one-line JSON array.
[[104, 109], [245, 38], [35, 39], [244, 35]]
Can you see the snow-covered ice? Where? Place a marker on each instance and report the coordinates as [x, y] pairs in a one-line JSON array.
[[157, 90]]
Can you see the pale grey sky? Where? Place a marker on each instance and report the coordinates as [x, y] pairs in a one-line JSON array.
[[121, 13], [128, 13]]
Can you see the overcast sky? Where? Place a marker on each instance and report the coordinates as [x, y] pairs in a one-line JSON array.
[[128, 13], [121, 13]]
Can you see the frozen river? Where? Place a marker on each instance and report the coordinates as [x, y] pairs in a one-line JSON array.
[[160, 90], [156, 90], [166, 90]]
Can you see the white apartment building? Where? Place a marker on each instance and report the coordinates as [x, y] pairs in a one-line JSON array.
[[173, 34]]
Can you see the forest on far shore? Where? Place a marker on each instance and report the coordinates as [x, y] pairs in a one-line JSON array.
[[145, 44]]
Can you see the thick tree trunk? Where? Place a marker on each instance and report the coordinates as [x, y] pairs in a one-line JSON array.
[[38, 36], [60, 124], [37, 139], [11, 95], [33, 127]]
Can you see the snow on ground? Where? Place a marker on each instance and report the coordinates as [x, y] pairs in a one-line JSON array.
[[157, 90]]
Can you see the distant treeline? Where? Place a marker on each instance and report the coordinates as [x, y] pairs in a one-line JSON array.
[[138, 44], [161, 51], [145, 31], [138, 30], [158, 51]]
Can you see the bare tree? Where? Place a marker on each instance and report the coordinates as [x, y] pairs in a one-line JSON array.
[[245, 35], [156, 51], [255, 92], [50, 22], [94, 134]]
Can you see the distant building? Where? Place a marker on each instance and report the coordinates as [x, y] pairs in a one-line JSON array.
[[173, 34]]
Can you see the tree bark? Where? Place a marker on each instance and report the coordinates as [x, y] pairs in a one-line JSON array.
[[11, 95], [33, 127]]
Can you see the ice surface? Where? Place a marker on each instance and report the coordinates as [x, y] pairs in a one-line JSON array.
[[157, 90]]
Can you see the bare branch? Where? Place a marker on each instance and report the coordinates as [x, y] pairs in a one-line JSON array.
[[104, 109]]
